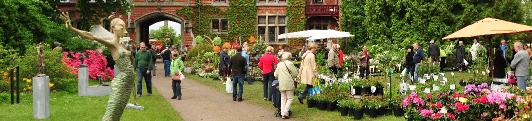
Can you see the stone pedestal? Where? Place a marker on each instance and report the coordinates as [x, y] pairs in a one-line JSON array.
[[83, 85], [41, 97]]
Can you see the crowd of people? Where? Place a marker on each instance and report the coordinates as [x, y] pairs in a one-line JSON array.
[[279, 68], [519, 61]]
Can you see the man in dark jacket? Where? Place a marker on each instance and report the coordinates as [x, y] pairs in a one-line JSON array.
[[166, 60], [460, 54], [238, 71], [434, 52], [418, 59], [143, 64]]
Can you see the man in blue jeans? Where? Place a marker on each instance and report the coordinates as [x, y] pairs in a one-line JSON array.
[[166, 60], [237, 65], [144, 63], [418, 59], [520, 64]]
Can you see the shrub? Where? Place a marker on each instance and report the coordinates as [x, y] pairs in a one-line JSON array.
[[95, 60], [53, 68]]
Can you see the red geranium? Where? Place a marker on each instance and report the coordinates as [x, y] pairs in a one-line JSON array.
[[436, 116], [482, 100], [461, 107], [439, 105], [451, 116]]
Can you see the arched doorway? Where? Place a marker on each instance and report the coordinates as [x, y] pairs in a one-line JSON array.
[[143, 23]]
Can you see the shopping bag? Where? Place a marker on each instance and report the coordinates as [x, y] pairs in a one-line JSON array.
[[181, 76], [228, 85]]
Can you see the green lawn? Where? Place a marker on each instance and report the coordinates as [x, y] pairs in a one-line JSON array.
[[70, 107], [253, 95]]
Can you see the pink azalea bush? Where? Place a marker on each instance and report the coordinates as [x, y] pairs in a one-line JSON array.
[[95, 60], [475, 103]]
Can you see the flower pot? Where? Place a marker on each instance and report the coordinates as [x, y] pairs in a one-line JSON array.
[[380, 90], [398, 112], [344, 111], [358, 90], [331, 106], [311, 103], [373, 113], [351, 111], [322, 105], [366, 90], [358, 114]]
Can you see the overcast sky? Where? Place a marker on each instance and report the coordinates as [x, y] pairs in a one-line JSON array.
[[176, 26]]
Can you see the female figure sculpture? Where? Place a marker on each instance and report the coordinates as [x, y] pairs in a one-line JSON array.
[[122, 83]]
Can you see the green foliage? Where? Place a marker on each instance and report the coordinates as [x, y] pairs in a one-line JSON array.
[[77, 44], [242, 17], [91, 13], [217, 41], [27, 22], [167, 35], [201, 16], [197, 55], [403, 22], [54, 67], [296, 19], [199, 40]]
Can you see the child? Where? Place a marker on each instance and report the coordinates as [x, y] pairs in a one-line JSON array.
[[176, 67]]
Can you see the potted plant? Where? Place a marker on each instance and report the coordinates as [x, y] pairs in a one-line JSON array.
[[373, 107], [396, 105], [343, 105], [357, 109], [311, 101]]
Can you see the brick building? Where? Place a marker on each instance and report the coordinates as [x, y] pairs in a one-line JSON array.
[[271, 17]]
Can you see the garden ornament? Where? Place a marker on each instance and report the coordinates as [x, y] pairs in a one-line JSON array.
[[122, 83], [40, 64]]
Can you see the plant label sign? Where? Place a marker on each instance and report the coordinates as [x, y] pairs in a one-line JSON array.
[[404, 88], [373, 89]]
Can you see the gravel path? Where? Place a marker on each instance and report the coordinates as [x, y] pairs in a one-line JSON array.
[[202, 103]]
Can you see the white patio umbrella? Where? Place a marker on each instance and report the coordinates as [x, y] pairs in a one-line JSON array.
[[315, 34], [330, 35]]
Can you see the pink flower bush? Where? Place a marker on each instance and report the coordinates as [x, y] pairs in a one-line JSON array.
[[95, 60], [426, 112], [479, 103]]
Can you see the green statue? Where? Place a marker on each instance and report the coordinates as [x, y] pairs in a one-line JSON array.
[[122, 83]]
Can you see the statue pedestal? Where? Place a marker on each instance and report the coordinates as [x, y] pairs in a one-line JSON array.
[[83, 85], [41, 97]]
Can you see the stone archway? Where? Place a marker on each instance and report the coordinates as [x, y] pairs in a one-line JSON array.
[[143, 23]]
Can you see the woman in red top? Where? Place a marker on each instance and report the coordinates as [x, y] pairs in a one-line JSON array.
[[267, 64]]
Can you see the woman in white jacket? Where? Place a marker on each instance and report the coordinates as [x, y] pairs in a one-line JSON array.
[[285, 73]]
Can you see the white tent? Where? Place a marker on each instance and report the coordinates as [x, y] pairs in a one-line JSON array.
[[312, 35]]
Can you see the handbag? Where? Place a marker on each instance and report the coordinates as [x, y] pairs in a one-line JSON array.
[[177, 76]]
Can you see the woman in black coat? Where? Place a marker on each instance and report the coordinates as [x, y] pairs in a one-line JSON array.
[[409, 61], [499, 64]]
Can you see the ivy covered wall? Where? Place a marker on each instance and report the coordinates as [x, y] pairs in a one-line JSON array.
[[242, 17], [296, 19]]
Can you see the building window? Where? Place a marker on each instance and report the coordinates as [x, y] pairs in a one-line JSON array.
[[317, 1], [269, 27], [220, 1], [271, 1], [219, 25]]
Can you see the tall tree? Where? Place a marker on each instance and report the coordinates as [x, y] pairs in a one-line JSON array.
[[166, 34]]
